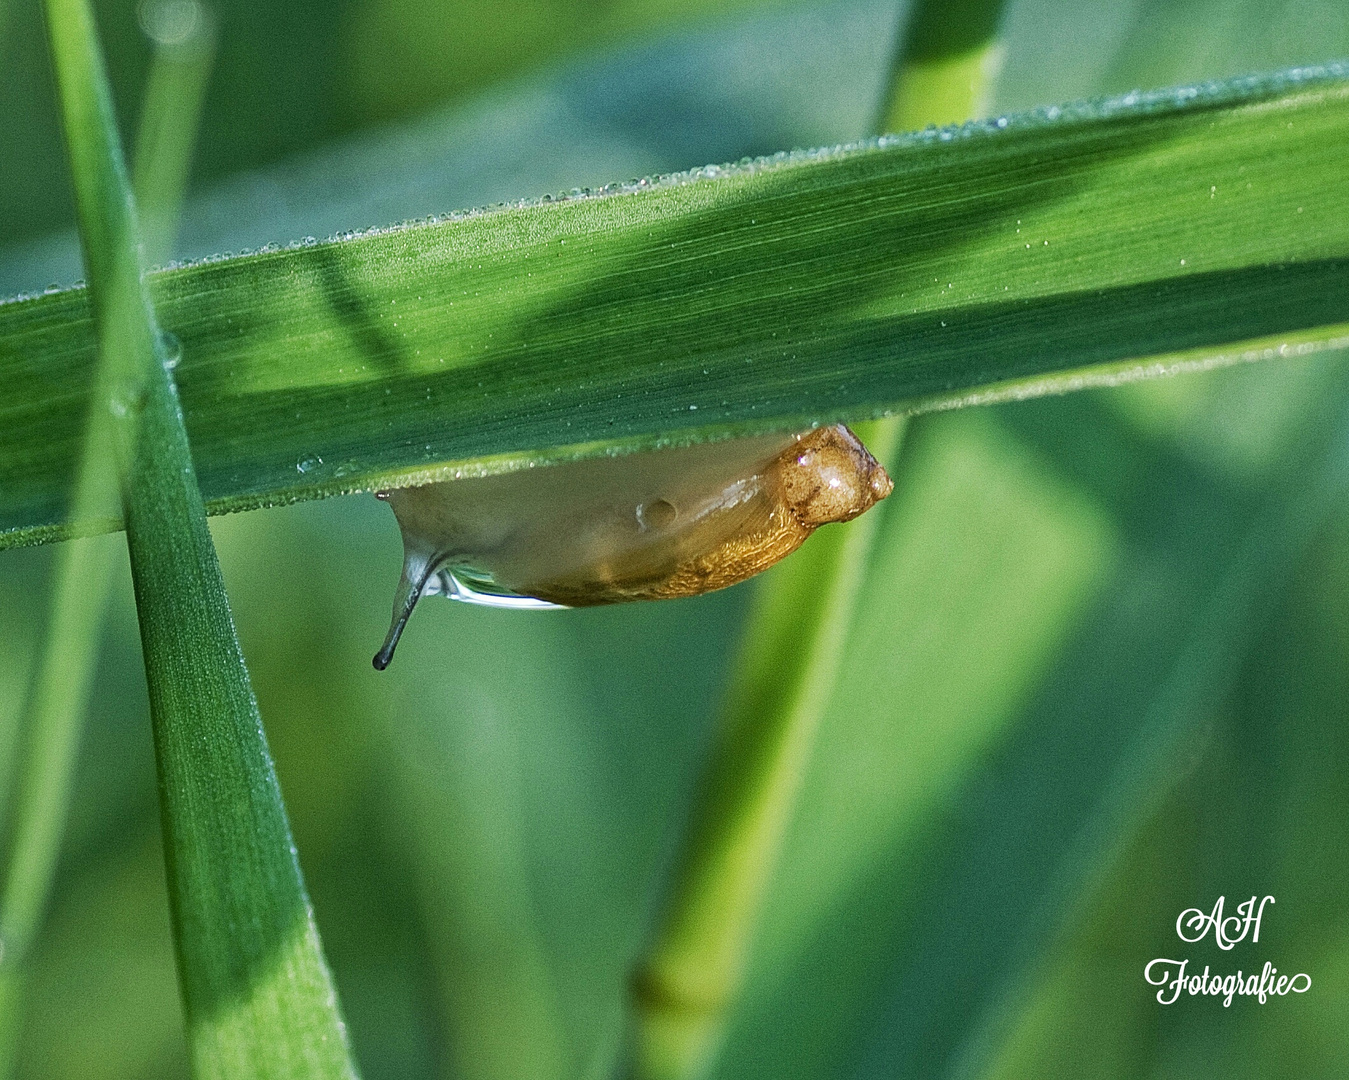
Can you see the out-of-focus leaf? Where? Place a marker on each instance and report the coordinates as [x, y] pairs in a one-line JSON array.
[[1259, 813], [789, 75], [966, 854], [1059, 50], [122, 993], [1117, 723], [1131, 237], [985, 562], [517, 751]]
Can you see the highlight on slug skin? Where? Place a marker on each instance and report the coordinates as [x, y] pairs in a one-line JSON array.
[[647, 526]]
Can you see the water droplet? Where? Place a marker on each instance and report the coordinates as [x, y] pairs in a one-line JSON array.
[[171, 349], [656, 514], [308, 464]]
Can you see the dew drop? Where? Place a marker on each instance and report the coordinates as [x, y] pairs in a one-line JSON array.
[[308, 464], [656, 514], [171, 349], [170, 22]]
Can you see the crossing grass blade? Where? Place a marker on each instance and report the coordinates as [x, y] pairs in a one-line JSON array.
[[257, 993], [58, 699], [1026, 255], [689, 981]]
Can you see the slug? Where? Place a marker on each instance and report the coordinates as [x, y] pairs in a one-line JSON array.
[[648, 526]]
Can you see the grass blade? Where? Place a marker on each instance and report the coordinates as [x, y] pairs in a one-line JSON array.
[[1152, 238], [946, 70], [688, 982], [184, 39], [257, 992], [54, 717]]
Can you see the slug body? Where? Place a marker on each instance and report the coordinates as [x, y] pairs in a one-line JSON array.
[[649, 526]]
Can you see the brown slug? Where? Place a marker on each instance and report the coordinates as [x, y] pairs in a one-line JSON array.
[[647, 526]]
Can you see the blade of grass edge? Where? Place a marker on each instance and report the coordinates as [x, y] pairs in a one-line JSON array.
[[53, 720], [685, 987], [257, 993]]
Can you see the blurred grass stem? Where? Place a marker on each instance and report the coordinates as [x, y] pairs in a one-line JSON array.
[[59, 696], [686, 986], [798, 631], [171, 109], [257, 993]]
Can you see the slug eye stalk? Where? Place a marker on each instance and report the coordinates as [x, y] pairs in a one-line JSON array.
[[651, 526]]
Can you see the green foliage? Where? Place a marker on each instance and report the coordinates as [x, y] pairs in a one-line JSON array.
[[257, 993], [1135, 237], [1097, 677], [692, 974], [53, 717]]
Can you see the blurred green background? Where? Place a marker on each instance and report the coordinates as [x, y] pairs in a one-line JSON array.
[[1100, 674]]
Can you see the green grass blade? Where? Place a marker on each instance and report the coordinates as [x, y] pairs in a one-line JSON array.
[[258, 996], [184, 38], [1152, 237], [946, 70], [688, 983], [54, 717]]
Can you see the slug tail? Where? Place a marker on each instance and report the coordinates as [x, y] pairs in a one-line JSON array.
[[417, 570]]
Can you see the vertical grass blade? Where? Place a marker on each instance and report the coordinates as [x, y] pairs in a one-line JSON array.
[[184, 40], [945, 71], [686, 985], [257, 992], [54, 717]]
